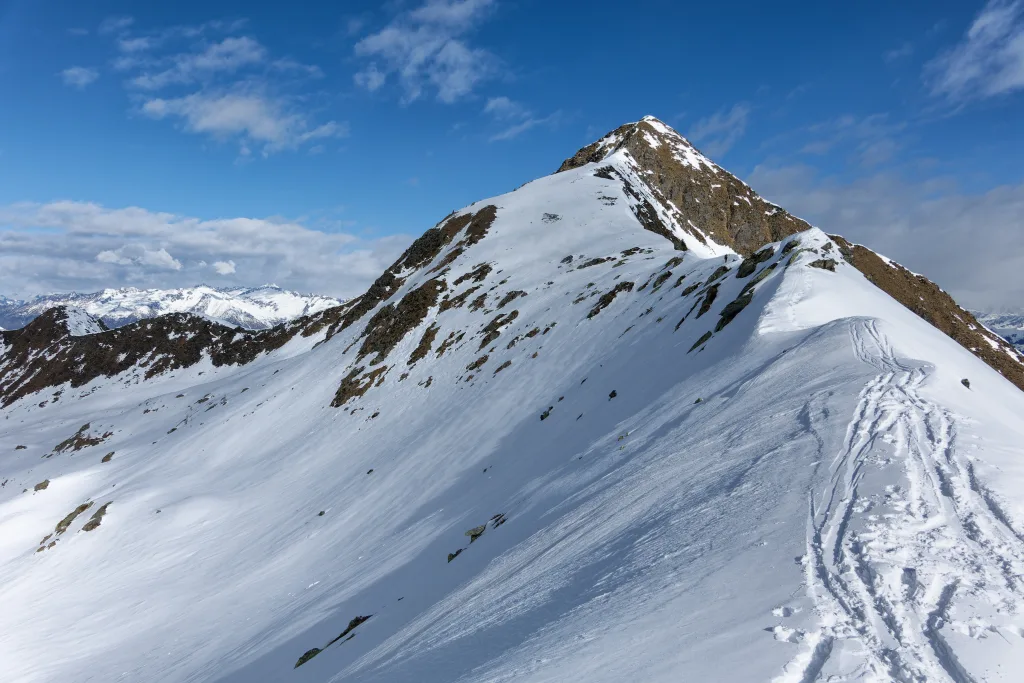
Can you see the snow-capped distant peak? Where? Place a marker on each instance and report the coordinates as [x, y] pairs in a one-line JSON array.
[[1008, 325], [80, 323], [251, 308]]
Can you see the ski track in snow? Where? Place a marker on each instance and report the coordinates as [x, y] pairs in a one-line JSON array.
[[885, 568]]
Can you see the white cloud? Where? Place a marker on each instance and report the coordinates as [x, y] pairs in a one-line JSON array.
[[67, 245], [968, 243], [235, 89], [989, 60], [139, 44], [249, 116], [227, 56], [224, 267], [870, 140], [516, 118], [112, 25], [517, 129], [370, 78], [79, 76], [503, 108], [719, 132], [138, 255], [289, 65], [896, 54], [425, 48]]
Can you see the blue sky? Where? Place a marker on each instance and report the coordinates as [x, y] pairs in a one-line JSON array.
[[306, 142]]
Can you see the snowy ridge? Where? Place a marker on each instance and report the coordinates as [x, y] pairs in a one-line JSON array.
[[251, 308], [546, 445]]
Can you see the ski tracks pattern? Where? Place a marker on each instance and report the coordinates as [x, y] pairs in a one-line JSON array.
[[886, 563]]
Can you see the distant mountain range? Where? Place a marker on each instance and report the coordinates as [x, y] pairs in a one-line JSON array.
[[1009, 326], [256, 308]]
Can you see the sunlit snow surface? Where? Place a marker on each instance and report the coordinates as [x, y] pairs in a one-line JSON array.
[[837, 506]]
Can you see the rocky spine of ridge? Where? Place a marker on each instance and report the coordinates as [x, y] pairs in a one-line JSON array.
[[703, 200]]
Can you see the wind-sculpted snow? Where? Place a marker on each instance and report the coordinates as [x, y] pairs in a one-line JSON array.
[[546, 445]]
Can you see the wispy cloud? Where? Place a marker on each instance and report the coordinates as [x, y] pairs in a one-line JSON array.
[[226, 56], [135, 44], [113, 25], [901, 52], [227, 87], [504, 108], [425, 48], [251, 117], [515, 118], [716, 134], [79, 76], [81, 246], [871, 140], [988, 60]]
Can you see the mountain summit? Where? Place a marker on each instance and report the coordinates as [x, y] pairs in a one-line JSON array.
[[683, 194], [629, 420]]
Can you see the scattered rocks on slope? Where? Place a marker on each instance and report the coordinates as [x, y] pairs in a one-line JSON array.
[[423, 348], [709, 298], [96, 518], [749, 264], [355, 384], [81, 439], [700, 342], [492, 330], [509, 298], [349, 631], [733, 308], [392, 322], [607, 298]]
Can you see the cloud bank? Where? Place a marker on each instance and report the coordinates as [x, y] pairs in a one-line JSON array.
[[65, 246]]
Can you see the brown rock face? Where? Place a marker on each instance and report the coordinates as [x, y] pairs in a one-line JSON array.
[[702, 198]]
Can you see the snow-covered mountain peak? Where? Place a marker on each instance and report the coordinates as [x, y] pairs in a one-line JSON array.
[[561, 438], [79, 323], [684, 195]]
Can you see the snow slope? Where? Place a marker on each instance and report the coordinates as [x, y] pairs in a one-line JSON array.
[[804, 491], [254, 308]]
